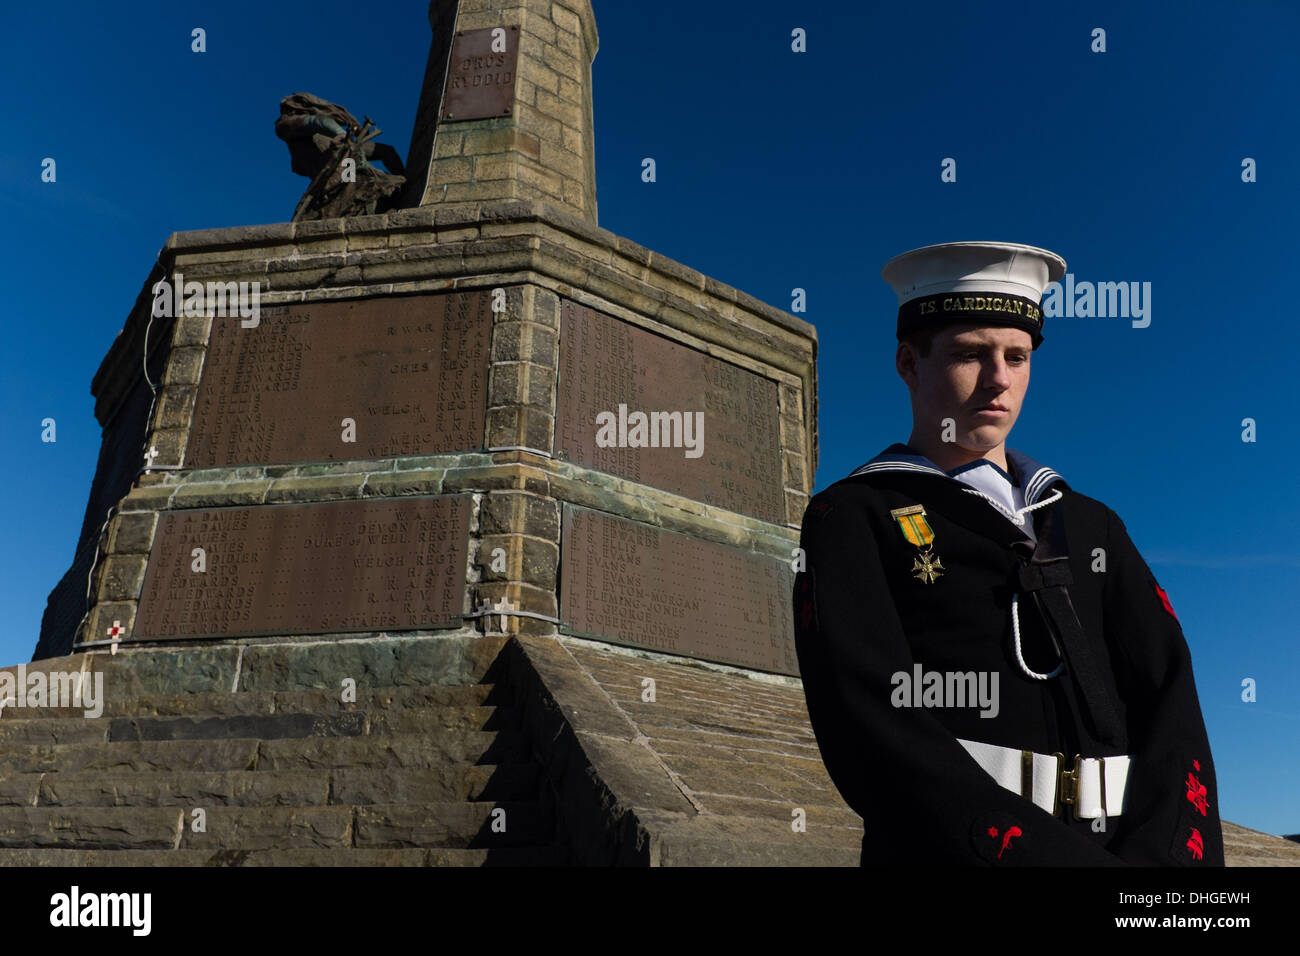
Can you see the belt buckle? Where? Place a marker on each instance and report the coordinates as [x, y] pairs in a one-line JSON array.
[[1067, 788]]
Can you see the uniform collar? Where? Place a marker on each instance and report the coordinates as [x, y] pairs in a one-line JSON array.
[[1034, 478]]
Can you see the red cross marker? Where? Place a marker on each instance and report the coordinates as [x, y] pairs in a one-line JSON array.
[[116, 629]]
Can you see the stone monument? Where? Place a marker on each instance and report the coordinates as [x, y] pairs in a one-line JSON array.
[[479, 408], [409, 524]]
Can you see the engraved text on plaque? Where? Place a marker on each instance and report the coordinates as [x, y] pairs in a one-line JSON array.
[[611, 366], [481, 75], [308, 568], [410, 372], [633, 584]]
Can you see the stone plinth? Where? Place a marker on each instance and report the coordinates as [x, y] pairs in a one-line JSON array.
[[472, 348]]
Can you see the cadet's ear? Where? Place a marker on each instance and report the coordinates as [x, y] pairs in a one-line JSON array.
[[905, 360]]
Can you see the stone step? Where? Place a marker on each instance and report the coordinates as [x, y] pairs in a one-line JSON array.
[[124, 828], [51, 731], [70, 730], [421, 786], [407, 661], [443, 824], [425, 750], [469, 825], [225, 703], [356, 723], [433, 856], [239, 727], [414, 720], [261, 788]]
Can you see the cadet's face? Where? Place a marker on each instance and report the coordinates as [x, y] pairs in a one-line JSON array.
[[970, 367]]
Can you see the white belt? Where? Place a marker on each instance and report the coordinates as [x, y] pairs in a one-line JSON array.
[[1043, 779]]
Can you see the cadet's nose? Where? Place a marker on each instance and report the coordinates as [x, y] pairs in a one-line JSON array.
[[997, 373]]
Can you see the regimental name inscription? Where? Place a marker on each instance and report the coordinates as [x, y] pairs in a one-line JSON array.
[[307, 569], [629, 583], [481, 74], [606, 363], [410, 372]]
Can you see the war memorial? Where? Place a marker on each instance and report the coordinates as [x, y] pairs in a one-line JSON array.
[[438, 525]]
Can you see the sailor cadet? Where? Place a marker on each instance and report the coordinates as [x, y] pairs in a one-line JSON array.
[[956, 563]]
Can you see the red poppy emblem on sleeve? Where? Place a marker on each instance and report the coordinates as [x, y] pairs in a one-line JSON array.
[[1011, 834], [998, 838], [1164, 599], [1196, 793]]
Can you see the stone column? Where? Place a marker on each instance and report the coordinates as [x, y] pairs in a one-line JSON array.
[[540, 146]]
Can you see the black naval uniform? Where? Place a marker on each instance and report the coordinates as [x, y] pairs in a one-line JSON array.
[[863, 614]]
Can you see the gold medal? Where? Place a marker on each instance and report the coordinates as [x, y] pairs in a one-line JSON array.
[[911, 520], [927, 567]]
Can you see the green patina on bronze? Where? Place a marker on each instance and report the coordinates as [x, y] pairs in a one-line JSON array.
[[322, 136]]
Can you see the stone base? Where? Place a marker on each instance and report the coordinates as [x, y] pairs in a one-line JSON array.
[[560, 733]]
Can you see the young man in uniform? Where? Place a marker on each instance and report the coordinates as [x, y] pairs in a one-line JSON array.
[[993, 674]]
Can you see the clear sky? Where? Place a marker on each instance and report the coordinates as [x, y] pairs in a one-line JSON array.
[[776, 170]]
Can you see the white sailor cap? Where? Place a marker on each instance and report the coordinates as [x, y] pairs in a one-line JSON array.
[[986, 283]]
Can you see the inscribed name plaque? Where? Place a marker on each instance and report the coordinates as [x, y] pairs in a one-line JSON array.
[[308, 569], [481, 77], [708, 430], [410, 371], [633, 584]]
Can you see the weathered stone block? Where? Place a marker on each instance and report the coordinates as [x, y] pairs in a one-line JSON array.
[[566, 19], [175, 407], [184, 366], [132, 533], [220, 494], [148, 498], [422, 481], [326, 488], [539, 562], [121, 577], [521, 513], [169, 444], [192, 330], [514, 425], [138, 672], [450, 659], [267, 828]]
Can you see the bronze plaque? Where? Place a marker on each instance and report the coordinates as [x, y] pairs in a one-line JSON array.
[[630, 583], [611, 371], [481, 75], [308, 569], [410, 372]]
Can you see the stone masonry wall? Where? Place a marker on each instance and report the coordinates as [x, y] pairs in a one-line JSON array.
[[544, 149], [539, 255]]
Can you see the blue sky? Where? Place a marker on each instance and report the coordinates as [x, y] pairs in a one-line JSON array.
[[775, 170]]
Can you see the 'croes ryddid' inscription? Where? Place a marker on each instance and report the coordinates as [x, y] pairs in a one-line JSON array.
[[307, 568], [730, 414], [633, 584], [410, 372], [481, 74]]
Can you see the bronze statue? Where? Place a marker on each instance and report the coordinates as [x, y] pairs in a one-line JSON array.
[[322, 138]]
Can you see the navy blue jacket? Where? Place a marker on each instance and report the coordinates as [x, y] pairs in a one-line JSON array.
[[862, 616]]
